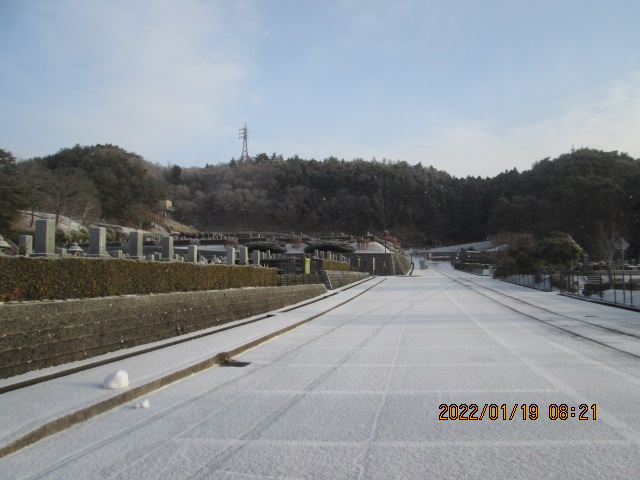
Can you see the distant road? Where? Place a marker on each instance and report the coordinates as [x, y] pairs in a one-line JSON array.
[[411, 380]]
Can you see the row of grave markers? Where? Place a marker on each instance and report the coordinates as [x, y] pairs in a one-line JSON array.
[[628, 262], [45, 247]]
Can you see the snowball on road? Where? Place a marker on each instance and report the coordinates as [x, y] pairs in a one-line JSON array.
[[116, 380], [357, 393]]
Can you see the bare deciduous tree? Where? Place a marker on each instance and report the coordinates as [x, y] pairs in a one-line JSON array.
[[605, 239]]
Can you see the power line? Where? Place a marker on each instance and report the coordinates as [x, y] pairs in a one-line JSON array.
[[244, 135]]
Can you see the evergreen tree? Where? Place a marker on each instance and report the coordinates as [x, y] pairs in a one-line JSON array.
[[11, 191]]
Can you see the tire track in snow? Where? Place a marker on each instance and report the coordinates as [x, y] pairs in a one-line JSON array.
[[615, 423], [255, 370], [254, 432], [548, 322]]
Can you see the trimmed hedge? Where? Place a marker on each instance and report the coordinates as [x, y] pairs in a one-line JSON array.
[[401, 264], [333, 265], [23, 278], [273, 247]]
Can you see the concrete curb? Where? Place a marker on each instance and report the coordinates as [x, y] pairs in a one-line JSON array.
[[67, 421]]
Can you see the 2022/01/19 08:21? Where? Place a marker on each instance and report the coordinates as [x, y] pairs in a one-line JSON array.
[[530, 411]]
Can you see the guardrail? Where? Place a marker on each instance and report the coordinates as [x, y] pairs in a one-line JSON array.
[[531, 278], [618, 287]]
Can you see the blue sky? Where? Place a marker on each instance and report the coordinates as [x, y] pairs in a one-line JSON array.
[[470, 87]]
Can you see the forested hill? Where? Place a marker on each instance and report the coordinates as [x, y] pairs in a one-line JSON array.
[[586, 193]]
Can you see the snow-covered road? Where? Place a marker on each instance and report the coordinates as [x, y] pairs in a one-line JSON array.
[[358, 393]]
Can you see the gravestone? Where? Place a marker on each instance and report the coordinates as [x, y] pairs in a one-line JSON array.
[[192, 253], [25, 244], [45, 239], [98, 242], [167, 249], [135, 245], [256, 257], [243, 255], [231, 255]]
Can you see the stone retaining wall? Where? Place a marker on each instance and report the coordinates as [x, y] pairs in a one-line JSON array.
[[336, 279], [385, 263], [43, 334]]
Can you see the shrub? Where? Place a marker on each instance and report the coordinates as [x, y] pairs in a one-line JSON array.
[[14, 235], [61, 236], [80, 236], [393, 240], [263, 246], [559, 249], [111, 235], [363, 243], [333, 265], [24, 278], [231, 242], [558, 280]]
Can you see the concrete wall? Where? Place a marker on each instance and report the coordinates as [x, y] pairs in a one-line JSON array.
[[335, 279], [43, 334], [396, 263], [296, 279]]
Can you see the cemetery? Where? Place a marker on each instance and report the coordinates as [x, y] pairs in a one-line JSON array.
[[63, 304]]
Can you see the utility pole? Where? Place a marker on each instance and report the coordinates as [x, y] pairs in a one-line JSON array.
[[244, 135]]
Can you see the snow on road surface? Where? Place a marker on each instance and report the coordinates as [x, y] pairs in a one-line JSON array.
[[358, 394]]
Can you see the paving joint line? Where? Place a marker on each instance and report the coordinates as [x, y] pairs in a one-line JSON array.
[[62, 423]]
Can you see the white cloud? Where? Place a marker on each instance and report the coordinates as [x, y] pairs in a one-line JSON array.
[[173, 81], [146, 75], [606, 119]]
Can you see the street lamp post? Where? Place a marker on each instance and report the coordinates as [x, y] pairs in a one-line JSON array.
[[384, 242], [622, 244]]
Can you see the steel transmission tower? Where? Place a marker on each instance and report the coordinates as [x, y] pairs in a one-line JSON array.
[[244, 135]]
